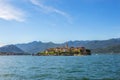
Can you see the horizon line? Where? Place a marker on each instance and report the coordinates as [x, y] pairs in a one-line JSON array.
[[1, 45]]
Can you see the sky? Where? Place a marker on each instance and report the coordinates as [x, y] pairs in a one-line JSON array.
[[58, 21]]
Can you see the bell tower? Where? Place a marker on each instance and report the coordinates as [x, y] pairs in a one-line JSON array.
[[67, 45]]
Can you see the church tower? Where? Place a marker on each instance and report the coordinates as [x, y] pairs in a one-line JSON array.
[[67, 45]]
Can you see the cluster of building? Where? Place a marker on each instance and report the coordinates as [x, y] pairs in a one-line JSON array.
[[68, 51]]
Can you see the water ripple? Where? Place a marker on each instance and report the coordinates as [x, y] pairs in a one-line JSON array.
[[103, 67]]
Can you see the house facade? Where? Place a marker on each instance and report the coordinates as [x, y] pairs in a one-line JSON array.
[[67, 51]]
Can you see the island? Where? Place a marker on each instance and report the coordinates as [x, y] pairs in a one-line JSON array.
[[65, 51]]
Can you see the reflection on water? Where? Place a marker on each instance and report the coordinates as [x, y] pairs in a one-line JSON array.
[[60, 67]]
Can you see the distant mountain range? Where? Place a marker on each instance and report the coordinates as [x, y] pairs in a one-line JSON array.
[[36, 46], [109, 49], [11, 49], [97, 46]]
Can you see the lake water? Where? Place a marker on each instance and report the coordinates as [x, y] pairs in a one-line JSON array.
[[102, 66]]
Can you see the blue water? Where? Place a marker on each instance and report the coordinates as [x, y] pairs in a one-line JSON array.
[[102, 66]]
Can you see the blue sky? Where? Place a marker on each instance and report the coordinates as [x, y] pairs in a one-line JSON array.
[[58, 20]]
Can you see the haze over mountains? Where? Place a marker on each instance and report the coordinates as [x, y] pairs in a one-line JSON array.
[[97, 46], [11, 50]]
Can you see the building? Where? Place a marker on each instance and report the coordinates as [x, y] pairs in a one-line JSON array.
[[67, 51]]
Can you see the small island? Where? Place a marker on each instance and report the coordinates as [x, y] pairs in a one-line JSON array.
[[65, 51]]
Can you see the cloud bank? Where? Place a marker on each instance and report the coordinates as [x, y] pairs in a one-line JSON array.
[[9, 12]]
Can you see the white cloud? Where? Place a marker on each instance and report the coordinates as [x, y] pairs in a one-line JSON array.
[[9, 12], [1, 44], [50, 9]]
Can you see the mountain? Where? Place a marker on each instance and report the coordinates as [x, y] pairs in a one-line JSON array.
[[95, 43], [102, 45], [36, 46], [11, 49], [109, 49]]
